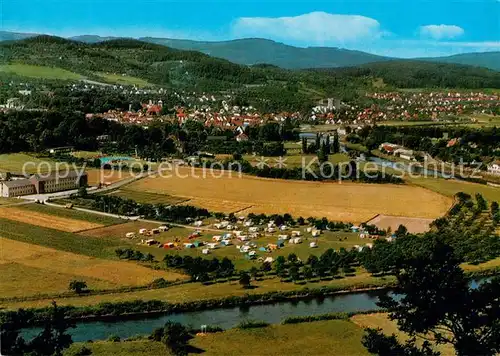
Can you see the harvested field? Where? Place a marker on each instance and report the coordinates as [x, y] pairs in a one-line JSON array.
[[106, 176], [60, 263], [414, 225], [337, 201], [70, 213], [220, 206], [149, 198], [46, 220]]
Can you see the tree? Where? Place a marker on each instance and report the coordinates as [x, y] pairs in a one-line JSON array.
[[266, 267], [307, 272], [53, 338], [237, 156], [292, 258], [335, 143], [401, 231], [379, 344], [494, 208], [82, 192], [244, 280], [78, 287], [254, 272], [176, 338], [437, 300], [294, 273]]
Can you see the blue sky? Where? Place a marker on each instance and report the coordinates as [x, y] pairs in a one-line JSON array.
[[408, 28]]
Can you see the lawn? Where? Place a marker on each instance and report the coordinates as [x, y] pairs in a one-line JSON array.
[[71, 214], [352, 202], [123, 79], [7, 201], [327, 240], [14, 162], [41, 72], [451, 187], [333, 337]]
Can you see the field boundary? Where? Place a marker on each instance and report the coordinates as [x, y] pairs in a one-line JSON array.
[[100, 227]]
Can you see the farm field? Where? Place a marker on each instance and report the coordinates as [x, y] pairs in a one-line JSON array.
[[41, 72], [142, 197], [70, 214], [46, 220], [64, 266], [337, 201], [333, 337], [60, 240], [451, 187], [414, 225]]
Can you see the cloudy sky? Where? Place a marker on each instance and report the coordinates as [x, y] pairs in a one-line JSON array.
[[402, 28]]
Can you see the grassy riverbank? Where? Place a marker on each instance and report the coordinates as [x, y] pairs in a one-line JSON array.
[[192, 292], [333, 337]]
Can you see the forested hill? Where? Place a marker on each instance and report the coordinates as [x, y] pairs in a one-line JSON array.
[[252, 51], [153, 63], [485, 59], [422, 74], [161, 65]]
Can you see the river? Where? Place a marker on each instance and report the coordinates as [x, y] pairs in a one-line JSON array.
[[225, 318]]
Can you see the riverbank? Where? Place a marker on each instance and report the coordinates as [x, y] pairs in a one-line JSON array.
[[190, 292], [149, 309], [335, 334], [333, 337]]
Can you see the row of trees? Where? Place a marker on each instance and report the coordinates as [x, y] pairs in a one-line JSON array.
[[200, 269], [129, 207], [323, 171]]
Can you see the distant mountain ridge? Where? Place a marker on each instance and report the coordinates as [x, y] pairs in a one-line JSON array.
[[253, 51]]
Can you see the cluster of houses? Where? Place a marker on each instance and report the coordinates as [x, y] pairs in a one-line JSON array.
[[400, 106], [434, 105], [397, 150]]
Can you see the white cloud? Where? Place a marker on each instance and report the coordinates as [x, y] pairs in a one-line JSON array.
[[317, 28], [439, 32]]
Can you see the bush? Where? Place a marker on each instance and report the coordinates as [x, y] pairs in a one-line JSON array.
[[114, 338], [249, 324]]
